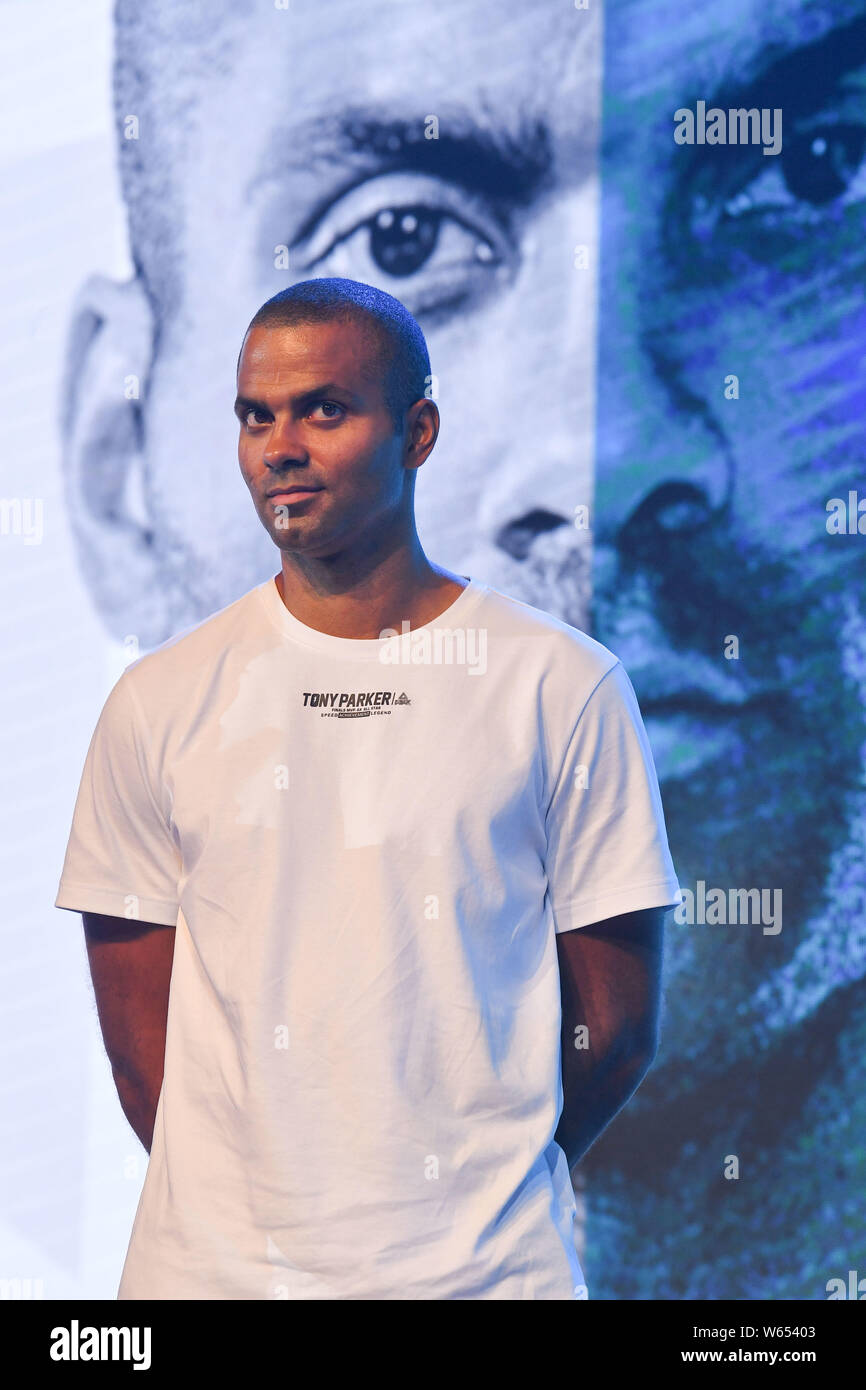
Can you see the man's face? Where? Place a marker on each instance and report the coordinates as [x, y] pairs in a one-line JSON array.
[[311, 417], [721, 262], [474, 232]]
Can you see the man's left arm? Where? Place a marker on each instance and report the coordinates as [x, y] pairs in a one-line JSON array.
[[610, 986]]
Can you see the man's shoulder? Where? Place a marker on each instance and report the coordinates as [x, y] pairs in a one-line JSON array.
[[561, 645], [198, 648]]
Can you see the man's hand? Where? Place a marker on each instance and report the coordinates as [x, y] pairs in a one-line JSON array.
[[130, 965], [610, 981]]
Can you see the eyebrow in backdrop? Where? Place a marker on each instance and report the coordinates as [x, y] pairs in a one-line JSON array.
[[510, 168]]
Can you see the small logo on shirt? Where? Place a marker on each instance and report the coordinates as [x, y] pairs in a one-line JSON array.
[[336, 704]]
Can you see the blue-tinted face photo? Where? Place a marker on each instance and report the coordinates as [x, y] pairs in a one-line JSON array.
[[671, 334], [730, 393]]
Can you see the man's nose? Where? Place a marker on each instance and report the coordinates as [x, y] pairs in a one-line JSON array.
[[660, 419], [284, 445], [539, 393], [657, 467]]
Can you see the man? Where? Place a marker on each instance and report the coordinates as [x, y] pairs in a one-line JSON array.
[[395, 840]]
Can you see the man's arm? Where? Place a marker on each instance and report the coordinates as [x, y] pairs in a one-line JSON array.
[[610, 981], [130, 965]]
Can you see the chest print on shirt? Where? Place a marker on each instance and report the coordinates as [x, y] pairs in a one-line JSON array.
[[335, 704]]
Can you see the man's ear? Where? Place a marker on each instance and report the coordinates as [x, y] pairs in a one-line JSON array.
[[108, 359]]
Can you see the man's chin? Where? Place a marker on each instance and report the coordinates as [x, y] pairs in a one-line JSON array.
[[297, 541], [291, 533]]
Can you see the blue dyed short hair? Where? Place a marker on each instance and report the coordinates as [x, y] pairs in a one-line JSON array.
[[398, 351]]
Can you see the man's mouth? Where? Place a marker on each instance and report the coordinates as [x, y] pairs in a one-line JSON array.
[[296, 490]]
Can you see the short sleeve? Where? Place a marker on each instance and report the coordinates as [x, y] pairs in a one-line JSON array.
[[121, 858], [607, 848]]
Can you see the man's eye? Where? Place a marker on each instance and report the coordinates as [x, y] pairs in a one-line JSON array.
[[814, 168], [249, 417], [401, 241], [824, 164], [437, 242]]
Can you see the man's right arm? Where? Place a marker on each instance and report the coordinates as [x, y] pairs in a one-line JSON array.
[[130, 965]]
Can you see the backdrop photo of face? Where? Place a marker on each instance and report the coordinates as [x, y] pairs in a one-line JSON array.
[[662, 336]]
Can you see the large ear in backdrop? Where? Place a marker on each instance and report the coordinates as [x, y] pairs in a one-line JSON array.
[[109, 352]]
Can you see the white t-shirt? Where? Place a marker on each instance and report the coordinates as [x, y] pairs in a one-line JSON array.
[[367, 847]]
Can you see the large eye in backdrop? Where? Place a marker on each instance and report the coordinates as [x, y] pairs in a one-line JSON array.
[[814, 168], [821, 166], [440, 242]]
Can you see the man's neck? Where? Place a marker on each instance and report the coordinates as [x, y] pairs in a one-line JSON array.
[[383, 597]]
